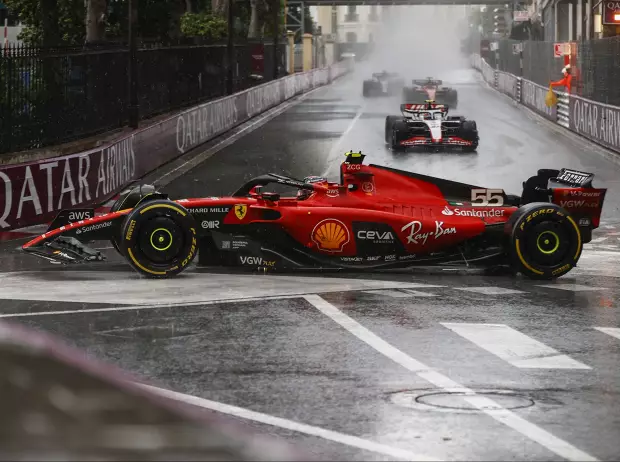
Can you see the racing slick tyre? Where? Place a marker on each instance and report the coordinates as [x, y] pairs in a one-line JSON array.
[[544, 241], [367, 88], [453, 99], [159, 238], [128, 199], [399, 129], [389, 124], [411, 96], [469, 132]]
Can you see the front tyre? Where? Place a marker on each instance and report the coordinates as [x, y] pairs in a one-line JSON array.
[[159, 239], [389, 124], [544, 241]]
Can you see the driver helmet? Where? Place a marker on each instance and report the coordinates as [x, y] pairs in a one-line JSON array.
[[305, 193]]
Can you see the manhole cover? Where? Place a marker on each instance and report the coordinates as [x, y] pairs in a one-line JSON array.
[[149, 332], [446, 401]]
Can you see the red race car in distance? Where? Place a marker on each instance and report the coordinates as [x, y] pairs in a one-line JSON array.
[[375, 218]]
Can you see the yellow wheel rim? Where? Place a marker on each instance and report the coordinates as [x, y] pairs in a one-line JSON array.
[[545, 240], [158, 242]]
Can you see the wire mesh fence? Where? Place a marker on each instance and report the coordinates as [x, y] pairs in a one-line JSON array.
[[50, 96], [595, 66]]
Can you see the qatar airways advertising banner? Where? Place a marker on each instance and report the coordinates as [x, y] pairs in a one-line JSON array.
[[596, 121], [34, 193]]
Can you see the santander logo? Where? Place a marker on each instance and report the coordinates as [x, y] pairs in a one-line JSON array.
[[447, 211]]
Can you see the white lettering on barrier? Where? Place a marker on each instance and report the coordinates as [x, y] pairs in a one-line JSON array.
[[81, 178], [534, 96], [196, 126], [116, 167], [8, 199], [595, 121], [261, 98]]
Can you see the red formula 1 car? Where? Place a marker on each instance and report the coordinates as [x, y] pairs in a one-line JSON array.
[[374, 218]]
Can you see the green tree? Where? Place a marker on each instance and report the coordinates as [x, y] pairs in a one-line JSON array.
[[50, 22]]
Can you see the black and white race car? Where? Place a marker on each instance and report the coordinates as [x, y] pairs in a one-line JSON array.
[[430, 89], [383, 84], [428, 125]]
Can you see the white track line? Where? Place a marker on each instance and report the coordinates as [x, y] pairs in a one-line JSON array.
[[488, 406], [513, 346], [330, 435], [149, 306], [613, 331], [333, 153]]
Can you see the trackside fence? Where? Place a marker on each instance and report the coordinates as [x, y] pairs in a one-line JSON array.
[[34, 192], [596, 121]]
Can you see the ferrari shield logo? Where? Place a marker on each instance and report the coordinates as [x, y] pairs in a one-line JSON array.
[[241, 210]]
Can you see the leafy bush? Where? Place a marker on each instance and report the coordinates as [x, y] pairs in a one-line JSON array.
[[205, 25]]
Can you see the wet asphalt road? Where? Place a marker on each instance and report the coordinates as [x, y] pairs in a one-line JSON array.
[[406, 361]]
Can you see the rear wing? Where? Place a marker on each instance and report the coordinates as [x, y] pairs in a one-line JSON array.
[[423, 107], [432, 82], [571, 190], [574, 178]]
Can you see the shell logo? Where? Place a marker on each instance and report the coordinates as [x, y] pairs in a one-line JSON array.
[[330, 235]]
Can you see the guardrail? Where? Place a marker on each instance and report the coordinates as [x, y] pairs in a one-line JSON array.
[[595, 121], [34, 192]]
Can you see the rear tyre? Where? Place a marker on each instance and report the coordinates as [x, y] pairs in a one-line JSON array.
[[389, 124], [469, 132], [367, 88], [544, 241], [159, 239], [410, 96]]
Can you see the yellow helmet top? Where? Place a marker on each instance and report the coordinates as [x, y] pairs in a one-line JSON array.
[[353, 154]]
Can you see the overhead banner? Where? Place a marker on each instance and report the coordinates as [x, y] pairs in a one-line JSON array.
[[33, 193]]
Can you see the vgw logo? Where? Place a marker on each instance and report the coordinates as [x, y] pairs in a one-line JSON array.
[[578, 204], [258, 261]]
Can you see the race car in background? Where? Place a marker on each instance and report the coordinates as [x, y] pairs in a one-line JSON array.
[[383, 84], [429, 125], [373, 218], [430, 89]]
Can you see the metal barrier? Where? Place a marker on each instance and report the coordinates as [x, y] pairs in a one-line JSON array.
[[591, 119], [563, 109]]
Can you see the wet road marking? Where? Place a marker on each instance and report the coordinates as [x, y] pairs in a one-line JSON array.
[[128, 289], [613, 331], [333, 153], [274, 421], [399, 293], [571, 287], [491, 290], [513, 346], [488, 406], [146, 306]]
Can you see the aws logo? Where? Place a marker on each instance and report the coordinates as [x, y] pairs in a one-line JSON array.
[[331, 235]]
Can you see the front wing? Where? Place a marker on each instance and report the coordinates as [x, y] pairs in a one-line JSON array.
[[412, 140]]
